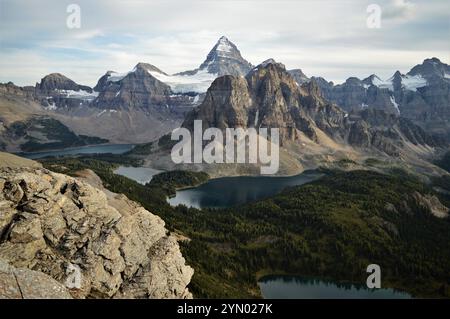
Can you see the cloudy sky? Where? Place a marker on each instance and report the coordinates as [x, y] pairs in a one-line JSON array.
[[328, 38]]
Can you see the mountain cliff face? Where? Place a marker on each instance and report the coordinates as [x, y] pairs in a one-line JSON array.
[[136, 89], [387, 132], [267, 97], [56, 224]]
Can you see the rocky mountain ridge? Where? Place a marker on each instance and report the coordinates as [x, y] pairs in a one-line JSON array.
[[145, 103], [270, 97], [421, 95], [313, 131]]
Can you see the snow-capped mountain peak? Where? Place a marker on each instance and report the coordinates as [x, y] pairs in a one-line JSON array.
[[224, 48], [223, 59], [431, 69], [224, 45]]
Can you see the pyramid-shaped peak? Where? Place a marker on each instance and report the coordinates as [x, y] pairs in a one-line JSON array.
[[373, 79], [225, 48], [397, 75], [223, 59]]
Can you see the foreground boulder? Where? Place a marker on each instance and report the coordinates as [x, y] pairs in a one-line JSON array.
[[29, 284], [97, 243]]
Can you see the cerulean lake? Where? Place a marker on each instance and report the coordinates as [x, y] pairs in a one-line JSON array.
[[293, 287], [233, 191]]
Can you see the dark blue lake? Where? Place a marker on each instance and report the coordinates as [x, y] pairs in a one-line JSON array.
[[232, 191]]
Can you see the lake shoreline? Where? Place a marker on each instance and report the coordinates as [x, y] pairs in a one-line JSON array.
[[314, 282], [227, 192], [71, 151]]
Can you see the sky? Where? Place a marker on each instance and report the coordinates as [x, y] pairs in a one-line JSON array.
[[328, 38]]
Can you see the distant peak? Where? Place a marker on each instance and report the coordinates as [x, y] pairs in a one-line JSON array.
[[55, 75], [432, 60], [372, 79], [147, 67], [374, 76], [271, 61], [268, 61]]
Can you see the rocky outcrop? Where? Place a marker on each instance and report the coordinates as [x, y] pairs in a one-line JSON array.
[[432, 204], [97, 243], [23, 283]]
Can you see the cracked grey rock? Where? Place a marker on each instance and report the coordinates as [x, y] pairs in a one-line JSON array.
[[53, 223]]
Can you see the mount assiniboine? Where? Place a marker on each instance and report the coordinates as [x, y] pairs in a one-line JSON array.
[[405, 116]]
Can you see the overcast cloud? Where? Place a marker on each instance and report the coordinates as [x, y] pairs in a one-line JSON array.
[[324, 38]]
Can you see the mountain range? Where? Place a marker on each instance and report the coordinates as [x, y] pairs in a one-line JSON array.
[[406, 116], [421, 95], [387, 203]]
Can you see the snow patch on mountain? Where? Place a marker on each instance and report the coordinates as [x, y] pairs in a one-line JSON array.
[[105, 111], [408, 82], [116, 77], [383, 84], [197, 82], [395, 104], [413, 82], [81, 94]]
